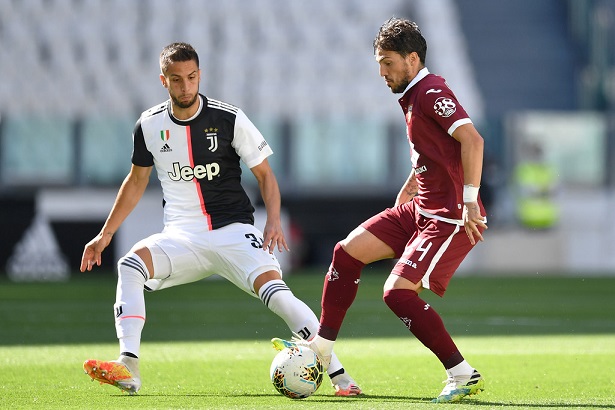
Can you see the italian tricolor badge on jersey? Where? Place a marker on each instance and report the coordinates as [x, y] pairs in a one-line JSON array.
[[165, 135]]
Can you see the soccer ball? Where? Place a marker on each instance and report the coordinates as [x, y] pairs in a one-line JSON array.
[[296, 372]]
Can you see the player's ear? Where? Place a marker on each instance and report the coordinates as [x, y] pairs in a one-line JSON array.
[[163, 80]]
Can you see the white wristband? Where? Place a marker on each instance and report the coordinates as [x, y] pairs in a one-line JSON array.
[[470, 193]]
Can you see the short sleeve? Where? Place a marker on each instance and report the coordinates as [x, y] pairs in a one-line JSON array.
[[140, 154], [442, 106], [248, 141]]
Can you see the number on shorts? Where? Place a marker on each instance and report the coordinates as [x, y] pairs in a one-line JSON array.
[[255, 241], [423, 248]]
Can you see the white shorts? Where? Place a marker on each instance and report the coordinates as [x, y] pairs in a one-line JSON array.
[[234, 252]]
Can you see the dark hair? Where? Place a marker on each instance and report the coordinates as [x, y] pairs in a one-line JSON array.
[[401, 36], [177, 52]]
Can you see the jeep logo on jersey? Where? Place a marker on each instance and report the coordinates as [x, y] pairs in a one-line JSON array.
[[187, 173], [444, 107], [212, 136]]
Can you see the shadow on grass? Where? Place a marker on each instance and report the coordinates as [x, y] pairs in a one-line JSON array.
[[372, 399]]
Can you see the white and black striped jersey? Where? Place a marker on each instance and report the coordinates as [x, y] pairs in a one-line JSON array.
[[198, 161]]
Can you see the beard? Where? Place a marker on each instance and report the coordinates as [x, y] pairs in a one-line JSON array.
[[399, 88], [182, 105]]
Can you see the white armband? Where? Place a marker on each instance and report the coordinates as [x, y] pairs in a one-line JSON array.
[[470, 193]]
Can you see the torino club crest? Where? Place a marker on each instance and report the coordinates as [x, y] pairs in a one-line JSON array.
[[444, 107]]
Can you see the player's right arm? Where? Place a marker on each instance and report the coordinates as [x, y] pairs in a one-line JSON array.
[[408, 191], [128, 196]]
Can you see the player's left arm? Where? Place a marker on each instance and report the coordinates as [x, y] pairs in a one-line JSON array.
[[273, 235], [472, 145]]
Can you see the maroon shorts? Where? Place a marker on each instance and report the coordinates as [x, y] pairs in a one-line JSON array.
[[428, 250]]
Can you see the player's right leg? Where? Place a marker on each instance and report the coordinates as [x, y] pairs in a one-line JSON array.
[[122, 373], [129, 312], [339, 290], [145, 263], [148, 267], [362, 246]]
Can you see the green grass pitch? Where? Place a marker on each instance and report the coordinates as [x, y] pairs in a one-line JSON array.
[[541, 342]]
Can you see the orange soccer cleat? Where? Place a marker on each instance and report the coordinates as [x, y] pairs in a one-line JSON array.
[[122, 373]]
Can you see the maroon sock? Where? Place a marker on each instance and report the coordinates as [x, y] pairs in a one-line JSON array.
[[339, 291], [425, 323]]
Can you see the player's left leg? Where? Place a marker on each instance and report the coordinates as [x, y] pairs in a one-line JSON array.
[[429, 261], [259, 274], [427, 326], [302, 321]]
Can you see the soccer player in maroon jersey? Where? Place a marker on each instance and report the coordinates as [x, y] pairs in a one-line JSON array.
[[196, 145], [437, 219]]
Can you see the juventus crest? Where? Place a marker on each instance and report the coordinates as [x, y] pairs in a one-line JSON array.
[[212, 136]]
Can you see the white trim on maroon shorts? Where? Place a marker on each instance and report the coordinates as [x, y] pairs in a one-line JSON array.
[[436, 258], [440, 218]]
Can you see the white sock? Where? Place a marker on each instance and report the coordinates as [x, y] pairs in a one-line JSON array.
[[278, 297], [462, 369], [130, 303], [324, 345]]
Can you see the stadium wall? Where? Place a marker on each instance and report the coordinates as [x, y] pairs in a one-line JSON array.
[[580, 246]]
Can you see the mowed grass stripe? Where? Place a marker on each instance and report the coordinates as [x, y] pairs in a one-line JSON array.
[[80, 311]]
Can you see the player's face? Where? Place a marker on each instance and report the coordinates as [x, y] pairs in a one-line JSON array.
[[396, 70], [182, 81]]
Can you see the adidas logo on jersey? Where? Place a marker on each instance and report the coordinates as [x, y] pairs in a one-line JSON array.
[[165, 148]]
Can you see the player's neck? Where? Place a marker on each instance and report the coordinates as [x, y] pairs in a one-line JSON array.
[[184, 114]]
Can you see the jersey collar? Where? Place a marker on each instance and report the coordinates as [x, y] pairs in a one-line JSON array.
[[406, 95], [419, 76], [196, 114]]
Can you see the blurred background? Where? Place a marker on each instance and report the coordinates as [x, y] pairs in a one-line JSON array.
[[536, 76]]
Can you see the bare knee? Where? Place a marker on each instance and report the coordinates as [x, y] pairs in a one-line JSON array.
[[264, 278], [146, 257], [364, 246], [398, 282]]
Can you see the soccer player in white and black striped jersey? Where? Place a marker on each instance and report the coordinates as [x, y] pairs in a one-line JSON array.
[[196, 144]]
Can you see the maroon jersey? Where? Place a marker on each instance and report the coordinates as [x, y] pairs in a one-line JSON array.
[[432, 115]]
